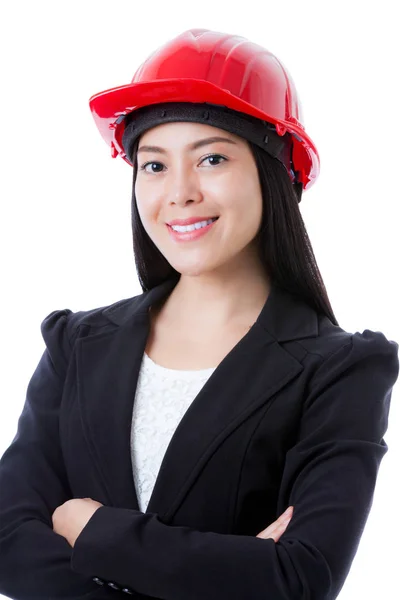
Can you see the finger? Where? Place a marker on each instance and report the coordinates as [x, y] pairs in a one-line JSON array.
[[282, 520], [277, 526], [274, 532], [287, 514]]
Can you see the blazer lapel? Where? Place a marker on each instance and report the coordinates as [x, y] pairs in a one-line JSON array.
[[250, 375], [108, 365]]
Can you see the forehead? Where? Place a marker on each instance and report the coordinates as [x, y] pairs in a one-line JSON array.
[[168, 134]]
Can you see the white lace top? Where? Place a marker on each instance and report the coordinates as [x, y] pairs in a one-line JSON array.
[[162, 398]]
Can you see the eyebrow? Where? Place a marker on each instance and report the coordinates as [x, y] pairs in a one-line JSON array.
[[194, 146]]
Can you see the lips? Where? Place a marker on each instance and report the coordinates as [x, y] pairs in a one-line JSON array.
[[190, 220], [193, 234]]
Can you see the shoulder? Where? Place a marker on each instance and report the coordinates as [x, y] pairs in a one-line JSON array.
[[110, 315], [69, 321], [61, 327], [327, 339], [310, 336], [337, 353]]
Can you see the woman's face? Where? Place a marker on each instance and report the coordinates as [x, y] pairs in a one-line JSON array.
[[181, 182]]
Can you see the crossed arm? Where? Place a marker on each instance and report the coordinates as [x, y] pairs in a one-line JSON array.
[[330, 472]]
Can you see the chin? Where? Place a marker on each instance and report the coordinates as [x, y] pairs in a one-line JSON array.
[[196, 270], [190, 271]]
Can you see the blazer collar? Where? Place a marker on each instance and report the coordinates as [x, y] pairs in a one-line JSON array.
[[108, 362]]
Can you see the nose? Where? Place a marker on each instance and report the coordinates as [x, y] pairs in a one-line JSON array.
[[183, 186]]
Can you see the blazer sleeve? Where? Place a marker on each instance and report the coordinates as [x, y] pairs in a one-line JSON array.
[[35, 562], [329, 477]]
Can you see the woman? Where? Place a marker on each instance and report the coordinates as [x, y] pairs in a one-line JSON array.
[[164, 437]]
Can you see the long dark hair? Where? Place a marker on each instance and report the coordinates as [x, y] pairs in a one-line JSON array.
[[284, 246]]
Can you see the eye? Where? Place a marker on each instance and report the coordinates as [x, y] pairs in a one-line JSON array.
[[210, 156], [214, 156], [143, 167]]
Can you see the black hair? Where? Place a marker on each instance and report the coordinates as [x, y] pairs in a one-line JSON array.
[[284, 246]]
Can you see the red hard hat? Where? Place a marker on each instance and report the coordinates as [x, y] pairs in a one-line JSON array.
[[201, 65]]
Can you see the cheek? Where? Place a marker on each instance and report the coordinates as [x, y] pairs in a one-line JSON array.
[[253, 196], [145, 206], [248, 204], [142, 210], [149, 217]]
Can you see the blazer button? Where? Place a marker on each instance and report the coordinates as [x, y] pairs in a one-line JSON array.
[[127, 591], [113, 585], [98, 581]]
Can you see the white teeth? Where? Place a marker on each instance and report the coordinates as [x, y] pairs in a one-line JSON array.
[[199, 225]]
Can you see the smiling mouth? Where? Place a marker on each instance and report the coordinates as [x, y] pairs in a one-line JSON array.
[[192, 234], [189, 224], [213, 219]]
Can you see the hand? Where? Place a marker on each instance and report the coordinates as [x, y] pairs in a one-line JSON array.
[[71, 517], [278, 527]]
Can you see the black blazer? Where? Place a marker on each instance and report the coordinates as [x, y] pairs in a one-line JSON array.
[[294, 415]]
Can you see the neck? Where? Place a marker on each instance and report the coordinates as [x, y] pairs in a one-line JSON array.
[[216, 300]]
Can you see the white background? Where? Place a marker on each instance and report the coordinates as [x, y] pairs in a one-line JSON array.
[[65, 204]]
